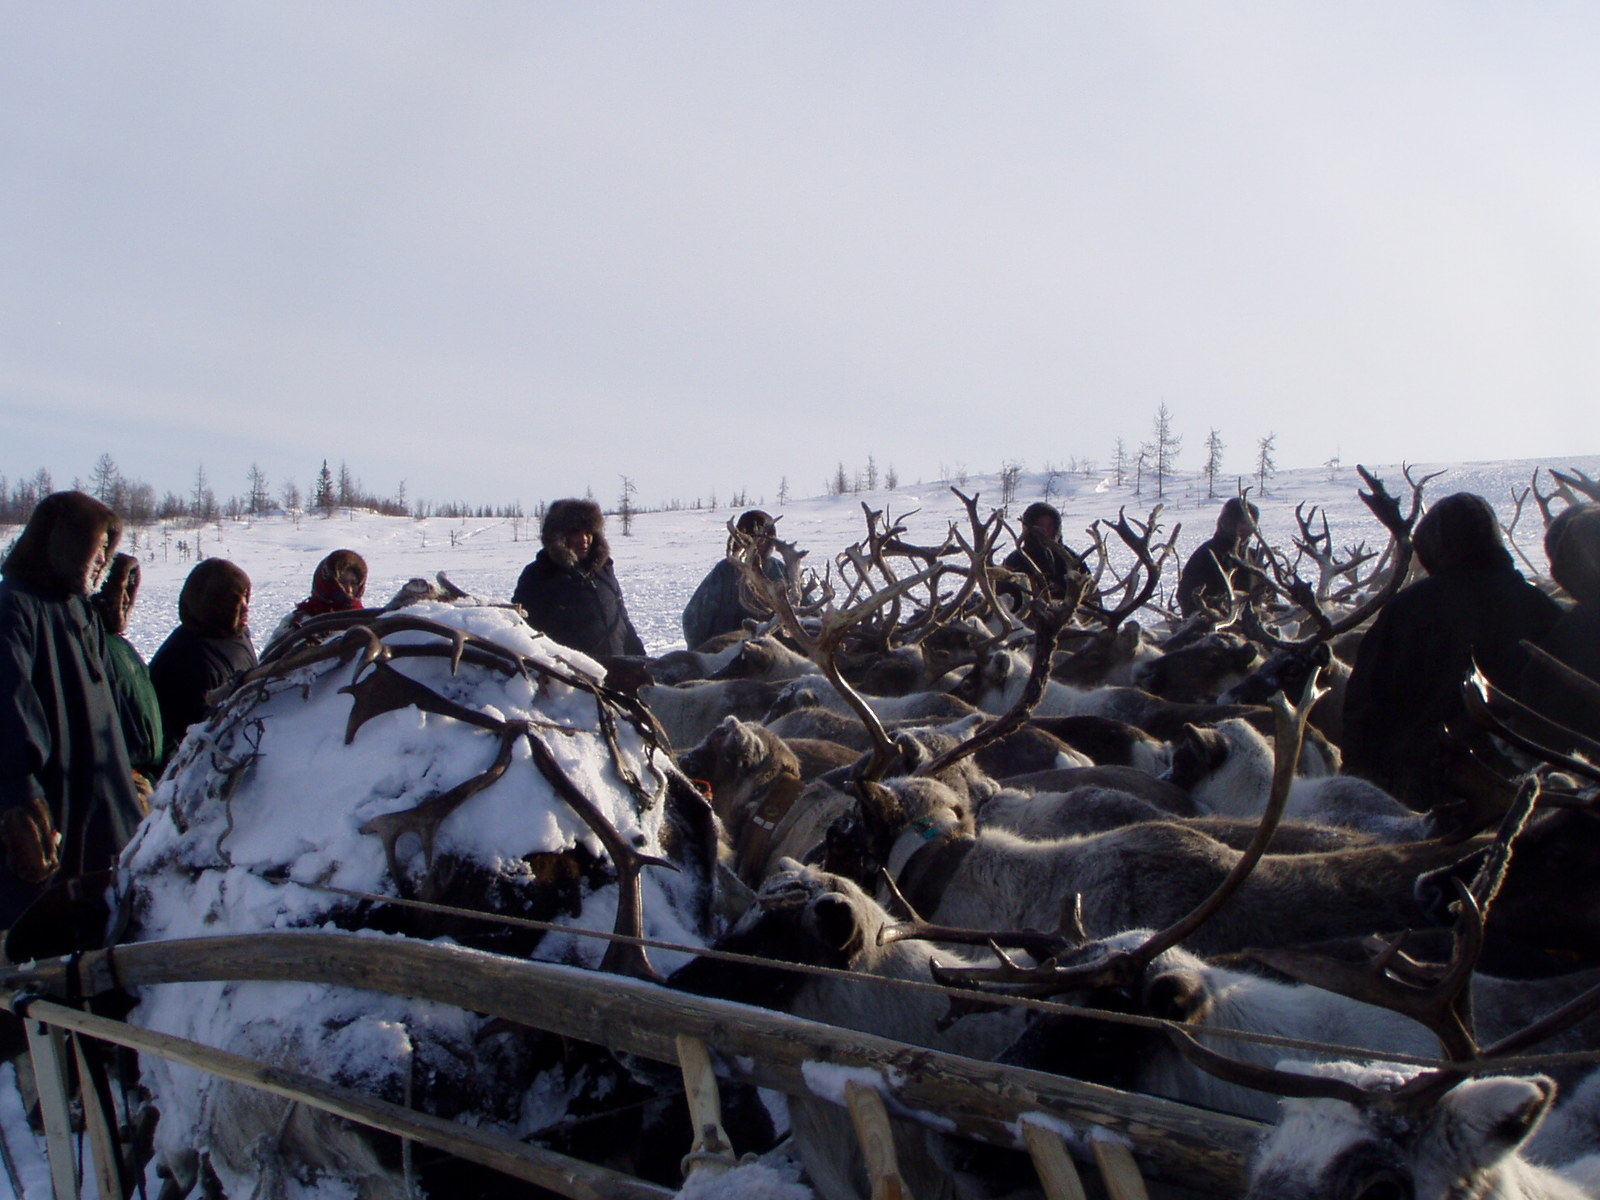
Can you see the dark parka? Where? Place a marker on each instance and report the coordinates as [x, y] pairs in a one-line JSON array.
[[578, 604], [210, 646], [715, 606], [1204, 581], [1572, 543], [130, 677], [1405, 685], [1061, 568], [60, 737]]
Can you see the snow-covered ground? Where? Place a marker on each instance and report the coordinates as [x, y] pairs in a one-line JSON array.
[[659, 566], [667, 553]]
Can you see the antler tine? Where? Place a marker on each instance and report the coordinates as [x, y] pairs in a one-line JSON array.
[[1544, 500], [1290, 728], [1105, 966], [1046, 620], [1438, 996], [1267, 1079], [1042, 945], [985, 533], [1556, 1021], [1492, 874], [1486, 703], [1509, 528], [1387, 510], [1576, 480], [1138, 540]]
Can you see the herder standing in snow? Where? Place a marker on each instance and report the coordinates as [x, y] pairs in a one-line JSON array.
[[208, 648], [570, 591], [716, 606], [137, 705], [67, 797]]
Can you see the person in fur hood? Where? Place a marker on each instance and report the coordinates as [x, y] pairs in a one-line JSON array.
[[68, 801], [1405, 686], [570, 592], [210, 646]]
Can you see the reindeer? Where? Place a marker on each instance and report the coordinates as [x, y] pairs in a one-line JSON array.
[[1227, 769], [1350, 1145], [803, 915]]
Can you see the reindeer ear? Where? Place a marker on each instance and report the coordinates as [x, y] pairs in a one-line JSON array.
[[1497, 1114], [1177, 995]]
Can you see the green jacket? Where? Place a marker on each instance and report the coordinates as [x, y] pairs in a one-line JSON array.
[[136, 705]]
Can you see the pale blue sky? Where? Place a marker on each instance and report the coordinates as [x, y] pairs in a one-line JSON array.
[[510, 251]]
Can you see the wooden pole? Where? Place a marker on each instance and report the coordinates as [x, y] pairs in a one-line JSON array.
[[560, 1174], [876, 1136], [981, 1100], [45, 1047], [1056, 1170], [1117, 1168], [711, 1151], [99, 1124]]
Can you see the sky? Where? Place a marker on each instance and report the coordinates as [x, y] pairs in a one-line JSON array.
[[505, 252]]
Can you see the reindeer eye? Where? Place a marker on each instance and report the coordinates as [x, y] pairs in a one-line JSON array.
[[1385, 1186]]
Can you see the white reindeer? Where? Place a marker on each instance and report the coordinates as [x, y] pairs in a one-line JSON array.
[[1227, 769], [1463, 1146]]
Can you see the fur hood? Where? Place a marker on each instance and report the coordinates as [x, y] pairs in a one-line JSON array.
[[1573, 545], [56, 547], [1460, 533], [573, 516], [210, 599]]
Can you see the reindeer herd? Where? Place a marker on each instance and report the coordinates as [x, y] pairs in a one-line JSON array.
[[926, 767]]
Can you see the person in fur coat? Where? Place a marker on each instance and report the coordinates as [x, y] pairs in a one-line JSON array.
[[210, 646], [570, 592], [68, 802]]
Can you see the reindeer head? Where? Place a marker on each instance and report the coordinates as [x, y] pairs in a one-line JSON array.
[[1463, 1144]]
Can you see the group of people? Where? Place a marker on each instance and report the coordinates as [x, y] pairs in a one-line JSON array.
[[86, 727]]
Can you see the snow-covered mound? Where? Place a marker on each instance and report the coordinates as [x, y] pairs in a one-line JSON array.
[[441, 753]]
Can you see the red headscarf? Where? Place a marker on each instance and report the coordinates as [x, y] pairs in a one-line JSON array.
[[328, 593]]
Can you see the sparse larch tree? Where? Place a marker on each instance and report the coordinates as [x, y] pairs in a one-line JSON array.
[[260, 498], [1010, 476], [872, 474], [625, 505], [348, 487], [839, 485], [202, 500], [1119, 463], [783, 490], [103, 479], [1214, 449], [1266, 465], [1164, 449], [289, 493], [891, 479]]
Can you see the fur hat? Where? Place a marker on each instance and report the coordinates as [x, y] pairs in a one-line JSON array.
[[56, 547], [211, 597], [1572, 543], [565, 517], [1238, 517], [1460, 533], [1038, 509], [756, 523], [122, 581]]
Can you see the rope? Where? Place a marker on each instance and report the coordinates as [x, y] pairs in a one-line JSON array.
[[1504, 1064]]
